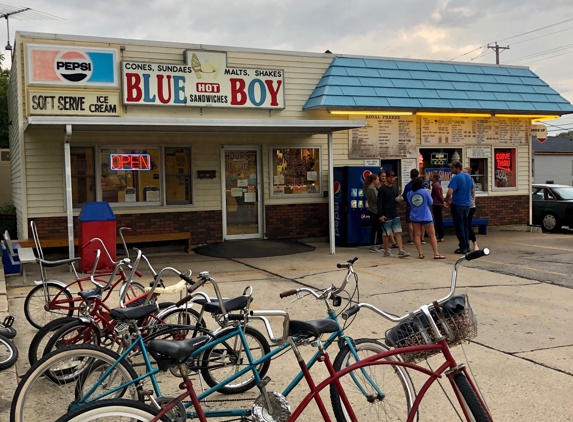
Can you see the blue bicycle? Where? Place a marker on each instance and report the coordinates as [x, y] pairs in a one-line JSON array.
[[224, 360]]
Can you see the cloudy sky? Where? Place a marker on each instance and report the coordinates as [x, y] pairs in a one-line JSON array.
[[539, 35]]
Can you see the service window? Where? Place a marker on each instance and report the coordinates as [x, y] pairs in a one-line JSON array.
[[478, 172], [130, 176], [178, 176], [296, 171], [505, 168], [83, 175]]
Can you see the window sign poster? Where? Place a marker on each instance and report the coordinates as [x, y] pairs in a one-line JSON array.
[[236, 192], [250, 197], [505, 167], [407, 165], [296, 170], [242, 183]]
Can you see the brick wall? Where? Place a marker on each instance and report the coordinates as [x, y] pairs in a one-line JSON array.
[[295, 221], [204, 226], [499, 210], [290, 221]]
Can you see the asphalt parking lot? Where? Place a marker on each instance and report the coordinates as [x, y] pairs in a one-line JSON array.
[[522, 295]]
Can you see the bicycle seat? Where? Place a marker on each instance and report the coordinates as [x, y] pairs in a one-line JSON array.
[[233, 304], [122, 314], [314, 328], [90, 294], [176, 349], [50, 264]]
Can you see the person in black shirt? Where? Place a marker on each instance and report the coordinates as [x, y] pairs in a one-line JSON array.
[[388, 197]]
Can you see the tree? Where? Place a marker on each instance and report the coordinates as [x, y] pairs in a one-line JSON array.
[[566, 134], [4, 77]]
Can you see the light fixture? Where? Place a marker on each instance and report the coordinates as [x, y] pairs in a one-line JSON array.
[[370, 113], [533, 117], [429, 113]]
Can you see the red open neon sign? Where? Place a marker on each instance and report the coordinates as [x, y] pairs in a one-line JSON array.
[[130, 161]]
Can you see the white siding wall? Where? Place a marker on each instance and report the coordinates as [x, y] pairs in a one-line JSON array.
[[558, 168]]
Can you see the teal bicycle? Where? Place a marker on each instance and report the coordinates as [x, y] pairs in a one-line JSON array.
[[226, 361]]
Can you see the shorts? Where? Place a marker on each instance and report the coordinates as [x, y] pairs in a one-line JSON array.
[[395, 225], [423, 223]]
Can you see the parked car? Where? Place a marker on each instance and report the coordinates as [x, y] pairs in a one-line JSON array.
[[552, 206]]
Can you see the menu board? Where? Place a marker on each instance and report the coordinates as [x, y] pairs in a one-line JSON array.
[[384, 136], [472, 131], [513, 131]]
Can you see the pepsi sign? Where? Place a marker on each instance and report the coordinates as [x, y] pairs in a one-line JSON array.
[[71, 66]]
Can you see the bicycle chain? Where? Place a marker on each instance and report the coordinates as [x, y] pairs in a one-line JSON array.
[[242, 418]]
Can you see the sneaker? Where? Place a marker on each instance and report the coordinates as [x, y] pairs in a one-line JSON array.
[[410, 242], [423, 242], [388, 254], [403, 254], [376, 250]]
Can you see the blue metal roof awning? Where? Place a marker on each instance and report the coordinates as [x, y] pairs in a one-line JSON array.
[[353, 83]]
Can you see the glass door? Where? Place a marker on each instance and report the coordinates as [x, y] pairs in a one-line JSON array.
[[241, 193]]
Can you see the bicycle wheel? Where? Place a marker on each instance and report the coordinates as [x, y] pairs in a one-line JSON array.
[[135, 289], [178, 316], [36, 308], [74, 332], [41, 338], [38, 394], [470, 398], [113, 410], [229, 357], [8, 353], [393, 382], [8, 332]]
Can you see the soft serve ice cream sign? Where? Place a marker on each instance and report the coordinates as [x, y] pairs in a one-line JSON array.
[[204, 81]]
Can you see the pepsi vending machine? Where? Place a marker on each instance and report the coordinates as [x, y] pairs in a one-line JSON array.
[[351, 219]]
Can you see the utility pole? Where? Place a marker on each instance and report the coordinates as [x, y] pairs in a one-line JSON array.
[[497, 48]]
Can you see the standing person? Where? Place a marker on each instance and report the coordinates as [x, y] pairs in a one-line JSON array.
[[381, 180], [420, 200], [458, 199], [388, 214], [437, 206], [413, 174], [371, 185], [471, 234]]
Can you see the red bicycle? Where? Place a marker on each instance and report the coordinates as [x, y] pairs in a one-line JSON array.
[[52, 299]]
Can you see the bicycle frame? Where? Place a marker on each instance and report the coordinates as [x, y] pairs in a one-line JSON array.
[[450, 367]]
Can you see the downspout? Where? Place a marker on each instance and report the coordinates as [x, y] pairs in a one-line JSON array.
[[530, 179], [68, 179], [331, 227]]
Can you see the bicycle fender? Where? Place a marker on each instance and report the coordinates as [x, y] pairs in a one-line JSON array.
[[59, 283]]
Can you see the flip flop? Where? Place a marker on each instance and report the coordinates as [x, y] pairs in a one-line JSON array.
[[421, 256], [440, 240], [439, 257]]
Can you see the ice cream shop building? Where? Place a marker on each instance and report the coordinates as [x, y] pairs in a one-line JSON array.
[[228, 143]]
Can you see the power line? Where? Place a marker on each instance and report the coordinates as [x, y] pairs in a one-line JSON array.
[[514, 36], [541, 53], [550, 57], [544, 35]]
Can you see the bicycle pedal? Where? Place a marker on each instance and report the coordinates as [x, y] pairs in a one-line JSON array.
[[8, 321], [145, 393], [264, 382]]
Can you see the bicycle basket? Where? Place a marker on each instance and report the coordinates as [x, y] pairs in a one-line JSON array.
[[455, 320]]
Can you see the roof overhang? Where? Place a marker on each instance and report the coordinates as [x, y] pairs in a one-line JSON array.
[[130, 124]]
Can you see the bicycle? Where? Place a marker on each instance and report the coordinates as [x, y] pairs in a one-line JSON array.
[[436, 327], [96, 325], [211, 351], [8, 350], [51, 299]]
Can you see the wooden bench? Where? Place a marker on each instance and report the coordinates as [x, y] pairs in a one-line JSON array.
[[130, 239], [481, 224], [19, 255]]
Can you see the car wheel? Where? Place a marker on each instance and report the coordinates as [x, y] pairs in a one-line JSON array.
[[550, 222]]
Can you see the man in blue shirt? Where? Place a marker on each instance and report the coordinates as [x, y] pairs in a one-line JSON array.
[[460, 190]]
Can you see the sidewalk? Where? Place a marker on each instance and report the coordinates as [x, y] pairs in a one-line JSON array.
[[522, 357]]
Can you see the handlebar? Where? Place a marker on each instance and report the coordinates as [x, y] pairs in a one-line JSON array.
[[424, 308]]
